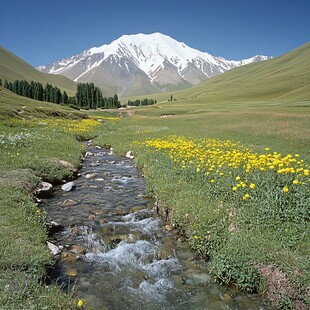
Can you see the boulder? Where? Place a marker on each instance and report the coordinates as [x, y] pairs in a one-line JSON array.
[[90, 175], [130, 155], [54, 227], [45, 190], [68, 257], [78, 249], [79, 230], [88, 154], [54, 249], [70, 186]]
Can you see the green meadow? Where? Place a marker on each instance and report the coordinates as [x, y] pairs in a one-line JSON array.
[[269, 233], [227, 162]]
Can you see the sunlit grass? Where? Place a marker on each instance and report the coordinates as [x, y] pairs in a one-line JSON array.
[[234, 179], [30, 150]]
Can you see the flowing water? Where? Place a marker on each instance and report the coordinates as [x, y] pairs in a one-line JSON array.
[[116, 252]]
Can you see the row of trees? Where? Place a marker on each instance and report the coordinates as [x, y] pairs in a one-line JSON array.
[[90, 97], [35, 90], [138, 102]]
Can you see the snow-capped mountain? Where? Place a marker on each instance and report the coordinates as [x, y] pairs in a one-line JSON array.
[[143, 64]]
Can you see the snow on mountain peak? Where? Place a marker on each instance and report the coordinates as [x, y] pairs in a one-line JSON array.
[[161, 58]]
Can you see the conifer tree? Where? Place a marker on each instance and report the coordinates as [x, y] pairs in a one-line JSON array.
[[65, 98]]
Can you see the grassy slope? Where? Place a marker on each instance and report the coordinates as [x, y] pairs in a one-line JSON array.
[[13, 68], [12, 105], [285, 78]]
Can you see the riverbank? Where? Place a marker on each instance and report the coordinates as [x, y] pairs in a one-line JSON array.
[[250, 222], [131, 258], [31, 151]]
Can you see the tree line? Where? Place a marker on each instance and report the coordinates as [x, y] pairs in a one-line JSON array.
[[138, 102], [88, 96], [35, 90]]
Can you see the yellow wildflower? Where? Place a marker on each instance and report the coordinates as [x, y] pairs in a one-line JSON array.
[[252, 186], [246, 196], [80, 303], [285, 189]]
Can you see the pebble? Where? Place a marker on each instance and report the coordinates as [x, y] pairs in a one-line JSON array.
[[69, 202]]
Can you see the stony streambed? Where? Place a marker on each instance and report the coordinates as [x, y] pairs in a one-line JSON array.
[[116, 253]]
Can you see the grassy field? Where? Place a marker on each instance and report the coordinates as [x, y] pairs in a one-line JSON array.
[[246, 234]]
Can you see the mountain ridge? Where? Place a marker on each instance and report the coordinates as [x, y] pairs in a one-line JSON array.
[[162, 62], [282, 80]]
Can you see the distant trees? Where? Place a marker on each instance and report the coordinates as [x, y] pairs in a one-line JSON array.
[[139, 102], [0, 82], [65, 98], [35, 90], [90, 97]]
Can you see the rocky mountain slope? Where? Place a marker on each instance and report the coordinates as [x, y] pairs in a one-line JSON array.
[[143, 64]]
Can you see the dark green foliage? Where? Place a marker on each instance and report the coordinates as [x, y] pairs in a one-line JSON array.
[[65, 98], [138, 102], [88, 96], [8, 85], [35, 90]]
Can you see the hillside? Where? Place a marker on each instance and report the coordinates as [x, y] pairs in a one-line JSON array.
[[285, 78], [14, 68], [12, 105]]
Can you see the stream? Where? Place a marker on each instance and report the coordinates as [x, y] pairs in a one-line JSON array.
[[118, 254]]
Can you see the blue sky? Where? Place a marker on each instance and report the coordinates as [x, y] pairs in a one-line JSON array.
[[41, 31]]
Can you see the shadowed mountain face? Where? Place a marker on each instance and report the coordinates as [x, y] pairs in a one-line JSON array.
[[143, 64]]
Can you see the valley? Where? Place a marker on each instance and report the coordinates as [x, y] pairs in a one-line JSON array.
[[227, 162]]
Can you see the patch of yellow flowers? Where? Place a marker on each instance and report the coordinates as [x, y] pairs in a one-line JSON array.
[[71, 126], [219, 158]]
